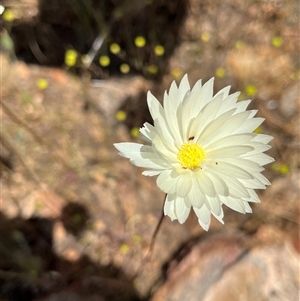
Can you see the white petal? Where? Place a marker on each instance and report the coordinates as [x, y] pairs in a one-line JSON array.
[[214, 205], [263, 138], [231, 140], [172, 120], [236, 188], [140, 155], [220, 216], [165, 150], [176, 95], [151, 173], [182, 211], [184, 184], [259, 182], [229, 103], [253, 196], [184, 87], [201, 95], [231, 170], [248, 209], [195, 126], [193, 104], [224, 129], [176, 208], [198, 126], [169, 208], [195, 195], [258, 148], [167, 181], [219, 184], [205, 183], [241, 106], [262, 180], [170, 139], [148, 132], [204, 217], [173, 96], [224, 92], [211, 109], [155, 108], [233, 203], [206, 92], [261, 159], [249, 126], [129, 149], [160, 123], [248, 165], [173, 93], [252, 184], [229, 152]]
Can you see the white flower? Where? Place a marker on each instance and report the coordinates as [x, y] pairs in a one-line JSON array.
[[204, 151]]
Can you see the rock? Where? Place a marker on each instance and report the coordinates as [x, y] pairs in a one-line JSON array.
[[223, 268]]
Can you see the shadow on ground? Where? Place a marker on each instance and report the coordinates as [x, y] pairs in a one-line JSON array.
[[30, 270], [77, 24]]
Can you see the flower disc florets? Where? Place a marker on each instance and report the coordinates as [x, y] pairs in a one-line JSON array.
[[191, 155], [203, 149]]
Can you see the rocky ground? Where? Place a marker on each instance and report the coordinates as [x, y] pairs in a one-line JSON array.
[[77, 219]]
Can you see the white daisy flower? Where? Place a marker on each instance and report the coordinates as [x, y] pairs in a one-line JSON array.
[[204, 151]]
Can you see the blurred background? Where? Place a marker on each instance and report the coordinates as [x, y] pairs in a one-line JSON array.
[[76, 218]]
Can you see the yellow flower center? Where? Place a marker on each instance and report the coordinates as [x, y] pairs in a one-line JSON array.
[[191, 155]]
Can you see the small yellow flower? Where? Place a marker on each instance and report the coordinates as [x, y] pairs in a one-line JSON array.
[[140, 41], [121, 115], [114, 48], [239, 45], [281, 168], [295, 75], [176, 73], [159, 50], [277, 41], [8, 15], [205, 36], [70, 57], [284, 169], [134, 132], [42, 83], [104, 60], [220, 72], [251, 90], [153, 69], [39, 206], [124, 68], [136, 238], [124, 248]]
